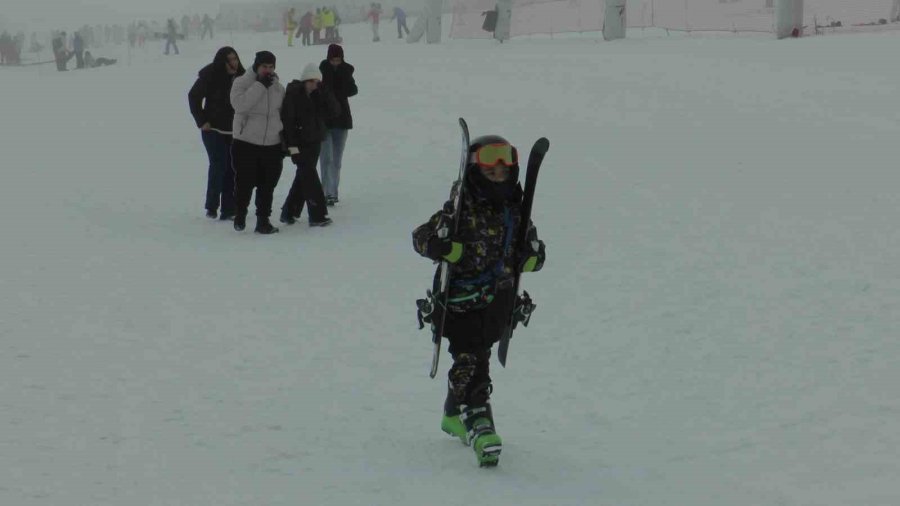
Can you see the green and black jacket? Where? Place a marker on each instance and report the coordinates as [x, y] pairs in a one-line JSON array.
[[487, 262]]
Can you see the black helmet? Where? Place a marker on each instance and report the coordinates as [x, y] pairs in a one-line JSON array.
[[476, 181], [486, 140]]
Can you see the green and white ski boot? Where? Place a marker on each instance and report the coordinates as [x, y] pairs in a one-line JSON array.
[[452, 425], [481, 435]]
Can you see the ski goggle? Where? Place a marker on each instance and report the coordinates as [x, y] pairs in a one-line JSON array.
[[491, 155]]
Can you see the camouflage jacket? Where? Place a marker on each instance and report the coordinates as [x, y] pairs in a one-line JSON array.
[[488, 235]]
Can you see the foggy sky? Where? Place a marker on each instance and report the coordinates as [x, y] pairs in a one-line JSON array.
[[69, 13]]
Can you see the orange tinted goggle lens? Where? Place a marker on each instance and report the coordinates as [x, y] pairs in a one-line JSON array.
[[494, 154]]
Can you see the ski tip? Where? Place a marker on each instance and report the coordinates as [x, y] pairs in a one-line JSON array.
[[542, 145]]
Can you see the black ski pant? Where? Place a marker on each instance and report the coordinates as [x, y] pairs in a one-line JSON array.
[[468, 381], [255, 167], [307, 188], [79, 59], [471, 335]]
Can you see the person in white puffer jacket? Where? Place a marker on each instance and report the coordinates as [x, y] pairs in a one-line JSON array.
[[256, 153]]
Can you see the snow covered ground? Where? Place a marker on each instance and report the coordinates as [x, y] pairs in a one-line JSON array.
[[717, 321]]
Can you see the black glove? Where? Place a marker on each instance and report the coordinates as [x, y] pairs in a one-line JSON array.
[[266, 80], [443, 245], [530, 258]]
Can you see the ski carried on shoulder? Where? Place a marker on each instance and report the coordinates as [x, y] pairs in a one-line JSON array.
[[438, 301], [521, 307]]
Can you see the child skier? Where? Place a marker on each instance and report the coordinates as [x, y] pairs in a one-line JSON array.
[[483, 264]]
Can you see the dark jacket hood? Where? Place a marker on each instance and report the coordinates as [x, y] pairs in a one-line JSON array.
[[220, 61]]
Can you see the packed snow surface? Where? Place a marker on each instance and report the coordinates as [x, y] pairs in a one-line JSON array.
[[717, 320]]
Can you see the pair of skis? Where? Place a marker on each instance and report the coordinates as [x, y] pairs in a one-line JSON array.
[[535, 158]]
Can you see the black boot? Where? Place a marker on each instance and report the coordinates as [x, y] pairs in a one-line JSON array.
[[286, 217], [211, 213], [324, 222], [240, 221], [264, 227]]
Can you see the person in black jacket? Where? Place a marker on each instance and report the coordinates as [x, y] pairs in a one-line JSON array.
[[337, 76], [211, 108], [306, 108]]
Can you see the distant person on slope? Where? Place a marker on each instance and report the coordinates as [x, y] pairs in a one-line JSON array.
[[91, 62], [306, 28], [60, 53], [400, 16], [483, 264], [289, 26], [375, 15], [256, 152], [210, 103], [171, 35], [207, 24]]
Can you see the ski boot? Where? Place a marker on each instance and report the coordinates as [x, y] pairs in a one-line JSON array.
[[481, 435], [452, 425]]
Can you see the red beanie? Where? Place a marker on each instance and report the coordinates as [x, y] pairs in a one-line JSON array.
[[335, 51]]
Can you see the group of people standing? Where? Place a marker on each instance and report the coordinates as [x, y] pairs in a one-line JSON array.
[[11, 48], [197, 26], [309, 28], [250, 122], [83, 58]]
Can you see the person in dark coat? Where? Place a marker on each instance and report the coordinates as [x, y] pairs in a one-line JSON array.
[[171, 35], [305, 29], [207, 25], [60, 53], [483, 260], [78, 47], [337, 76], [6, 46], [306, 109], [210, 105]]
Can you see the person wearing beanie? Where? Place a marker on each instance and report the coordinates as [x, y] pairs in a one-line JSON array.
[[483, 255], [337, 76], [210, 104], [256, 151], [307, 107]]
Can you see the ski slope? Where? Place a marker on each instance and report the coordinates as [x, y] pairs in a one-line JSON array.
[[717, 321]]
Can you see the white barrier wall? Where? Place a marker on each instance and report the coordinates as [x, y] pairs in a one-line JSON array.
[[788, 18], [614, 21]]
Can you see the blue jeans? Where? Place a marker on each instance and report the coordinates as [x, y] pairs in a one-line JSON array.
[[330, 160], [220, 180]]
